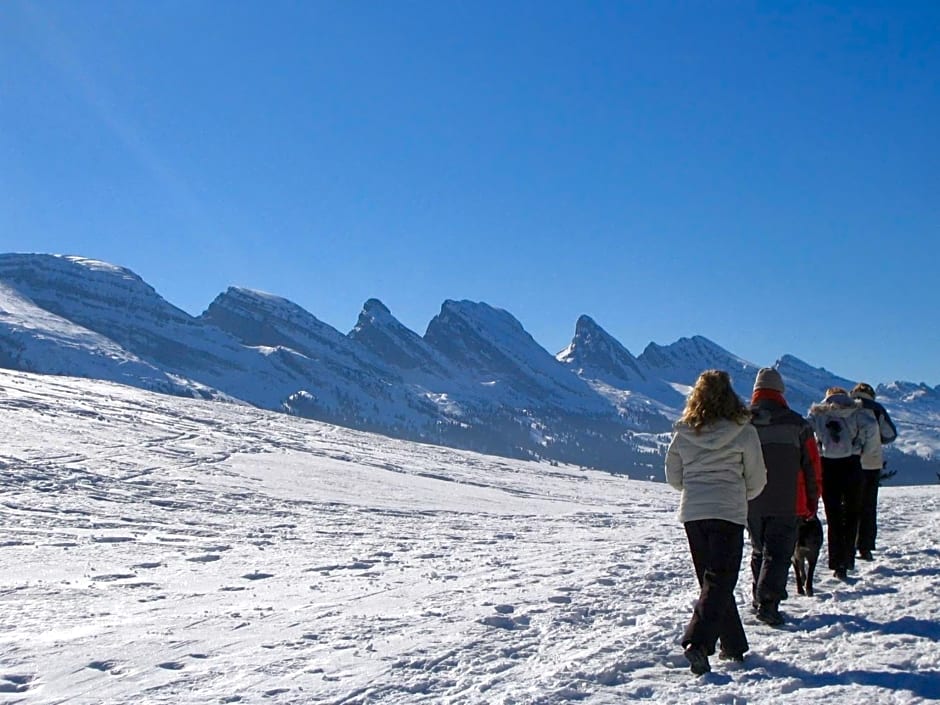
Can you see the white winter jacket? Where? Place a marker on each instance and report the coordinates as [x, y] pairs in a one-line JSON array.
[[717, 470], [843, 427]]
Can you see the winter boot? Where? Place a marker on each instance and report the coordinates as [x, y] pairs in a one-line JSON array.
[[698, 659]]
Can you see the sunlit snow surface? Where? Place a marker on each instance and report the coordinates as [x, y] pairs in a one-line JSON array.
[[155, 549]]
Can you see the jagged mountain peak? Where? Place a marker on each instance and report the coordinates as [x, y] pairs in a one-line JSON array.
[[806, 384], [375, 307], [493, 346], [681, 362], [594, 352], [587, 331], [468, 330], [481, 316], [376, 314], [259, 318], [585, 322], [692, 355], [385, 336], [261, 306]]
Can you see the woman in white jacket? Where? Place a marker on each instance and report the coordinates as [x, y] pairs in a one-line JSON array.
[[715, 460]]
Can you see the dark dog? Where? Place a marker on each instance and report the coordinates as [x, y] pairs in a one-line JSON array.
[[809, 539]]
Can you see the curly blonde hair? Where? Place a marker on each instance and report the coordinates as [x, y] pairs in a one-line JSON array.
[[713, 398]]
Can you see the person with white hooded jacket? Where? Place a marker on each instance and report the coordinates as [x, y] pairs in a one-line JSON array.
[[715, 460], [845, 431]]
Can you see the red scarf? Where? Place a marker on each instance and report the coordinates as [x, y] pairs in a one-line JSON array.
[[772, 394]]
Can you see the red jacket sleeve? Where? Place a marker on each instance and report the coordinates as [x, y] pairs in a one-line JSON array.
[[809, 482]]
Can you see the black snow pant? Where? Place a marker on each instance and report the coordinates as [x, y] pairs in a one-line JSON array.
[[842, 495], [772, 541], [716, 547], [868, 519]]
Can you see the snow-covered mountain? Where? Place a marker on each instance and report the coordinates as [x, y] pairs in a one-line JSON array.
[[681, 363], [806, 384], [264, 350], [384, 335], [475, 380], [492, 346], [612, 370], [339, 379], [594, 352]]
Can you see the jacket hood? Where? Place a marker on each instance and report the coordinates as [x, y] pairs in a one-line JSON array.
[[714, 435], [837, 404]]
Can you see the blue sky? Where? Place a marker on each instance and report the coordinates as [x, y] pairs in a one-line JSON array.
[[764, 174]]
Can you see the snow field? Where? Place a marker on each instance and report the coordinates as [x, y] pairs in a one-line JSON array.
[[163, 550]]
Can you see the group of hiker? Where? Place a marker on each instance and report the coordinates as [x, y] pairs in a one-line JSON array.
[[765, 467]]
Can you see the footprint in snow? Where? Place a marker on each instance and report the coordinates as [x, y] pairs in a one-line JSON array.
[[15, 683], [112, 577], [171, 665], [105, 667], [207, 558], [508, 623], [257, 576]]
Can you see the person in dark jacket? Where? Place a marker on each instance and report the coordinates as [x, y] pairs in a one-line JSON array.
[[872, 466], [793, 466], [845, 431]]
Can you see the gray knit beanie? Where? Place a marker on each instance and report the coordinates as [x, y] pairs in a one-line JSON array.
[[769, 378]]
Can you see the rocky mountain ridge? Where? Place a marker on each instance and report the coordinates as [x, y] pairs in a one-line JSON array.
[[476, 379]]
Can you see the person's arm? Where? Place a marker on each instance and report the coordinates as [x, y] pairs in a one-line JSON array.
[[886, 427], [755, 472], [674, 467], [868, 434], [811, 469]]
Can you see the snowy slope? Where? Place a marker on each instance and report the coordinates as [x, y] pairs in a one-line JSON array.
[[160, 549], [32, 338], [116, 304]]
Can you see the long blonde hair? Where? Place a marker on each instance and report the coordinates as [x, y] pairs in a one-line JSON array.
[[713, 398]]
